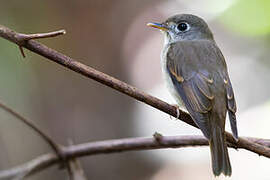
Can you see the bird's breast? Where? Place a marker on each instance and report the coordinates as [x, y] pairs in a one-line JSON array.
[[167, 78]]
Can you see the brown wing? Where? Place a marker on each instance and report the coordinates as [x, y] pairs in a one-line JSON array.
[[197, 70], [196, 96]]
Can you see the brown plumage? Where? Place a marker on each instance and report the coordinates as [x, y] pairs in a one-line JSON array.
[[196, 73]]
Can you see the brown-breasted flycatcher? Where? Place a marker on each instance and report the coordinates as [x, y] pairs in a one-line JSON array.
[[196, 74]]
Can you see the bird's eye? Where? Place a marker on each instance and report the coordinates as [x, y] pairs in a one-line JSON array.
[[182, 27]]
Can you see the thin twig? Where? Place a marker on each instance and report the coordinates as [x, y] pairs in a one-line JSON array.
[[75, 169], [35, 165], [22, 52], [112, 146], [21, 38], [27, 37], [43, 135]]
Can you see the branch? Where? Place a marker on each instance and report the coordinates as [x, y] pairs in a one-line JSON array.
[[88, 149], [27, 122], [75, 169], [113, 146], [29, 168], [27, 37], [22, 38], [118, 85]]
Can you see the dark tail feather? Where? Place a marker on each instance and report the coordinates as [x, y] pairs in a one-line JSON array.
[[219, 153], [233, 124]]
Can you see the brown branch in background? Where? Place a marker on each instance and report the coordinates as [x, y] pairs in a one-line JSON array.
[[43, 135], [22, 52], [29, 168], [75, 170], [112, 146], [74, 167]]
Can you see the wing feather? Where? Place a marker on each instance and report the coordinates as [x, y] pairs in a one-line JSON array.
[[197, 98], [231, 105], [195, 75]]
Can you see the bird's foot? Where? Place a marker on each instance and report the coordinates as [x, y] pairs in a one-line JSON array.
[[177, 111]]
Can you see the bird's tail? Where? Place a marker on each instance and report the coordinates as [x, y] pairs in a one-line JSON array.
[[219, 153]]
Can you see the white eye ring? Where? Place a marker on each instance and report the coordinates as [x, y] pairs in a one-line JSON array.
[[182, 27]]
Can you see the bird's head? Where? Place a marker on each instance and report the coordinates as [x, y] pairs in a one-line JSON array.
[[184, 27]]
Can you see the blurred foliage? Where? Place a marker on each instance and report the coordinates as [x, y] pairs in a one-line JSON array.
[[248, 17]]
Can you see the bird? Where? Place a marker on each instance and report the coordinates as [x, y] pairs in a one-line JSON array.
[[196, 75]]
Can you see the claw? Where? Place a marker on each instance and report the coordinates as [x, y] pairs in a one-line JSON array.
[[177, 113], [177, 110]]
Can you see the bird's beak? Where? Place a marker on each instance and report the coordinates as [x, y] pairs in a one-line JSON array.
[[162, 27]]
